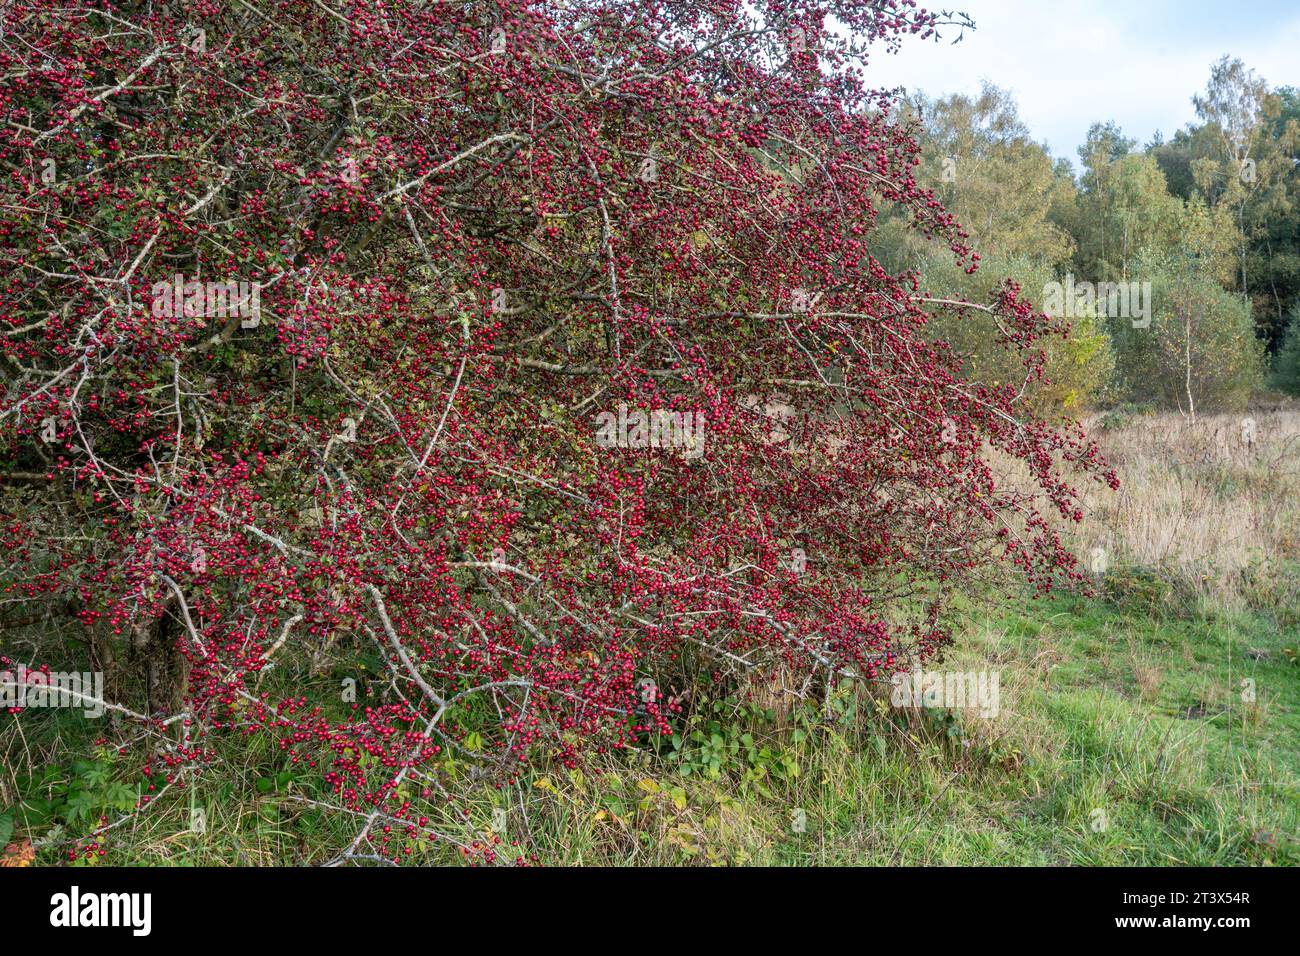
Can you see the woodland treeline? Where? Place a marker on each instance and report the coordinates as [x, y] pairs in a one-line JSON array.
[[1208, 217]]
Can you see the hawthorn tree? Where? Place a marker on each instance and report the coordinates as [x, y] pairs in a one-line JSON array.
[[311, 310]]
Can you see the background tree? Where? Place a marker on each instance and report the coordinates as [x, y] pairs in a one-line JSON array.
[[1241, 160], [979, 158], [997, 181], [1200, 353], [1105, 145], [1077, 370], [1287, 365]]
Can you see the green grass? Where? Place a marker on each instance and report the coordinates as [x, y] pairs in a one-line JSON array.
[[1123, 739]]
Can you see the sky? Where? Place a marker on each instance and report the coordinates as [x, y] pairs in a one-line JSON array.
[[1070, 63]]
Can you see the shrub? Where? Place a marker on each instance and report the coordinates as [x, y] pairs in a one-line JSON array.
[[1076, 368], [1199, 353], [315, 325]]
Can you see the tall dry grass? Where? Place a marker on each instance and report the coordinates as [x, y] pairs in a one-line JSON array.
[[1213, 504]]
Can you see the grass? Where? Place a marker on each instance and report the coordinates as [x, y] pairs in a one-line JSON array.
[[1213, 504], [1120, 742]]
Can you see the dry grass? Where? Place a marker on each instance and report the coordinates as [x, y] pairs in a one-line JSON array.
[[1212, 503]]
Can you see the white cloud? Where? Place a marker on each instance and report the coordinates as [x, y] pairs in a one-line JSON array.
[[1073, 63]]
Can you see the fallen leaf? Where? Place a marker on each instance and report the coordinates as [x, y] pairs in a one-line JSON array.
[[18, 854]]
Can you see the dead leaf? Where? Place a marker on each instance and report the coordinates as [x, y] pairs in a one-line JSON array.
[[18, 854]]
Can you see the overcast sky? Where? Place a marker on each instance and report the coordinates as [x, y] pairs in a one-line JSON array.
[[1070, 62]]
